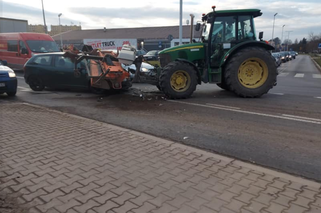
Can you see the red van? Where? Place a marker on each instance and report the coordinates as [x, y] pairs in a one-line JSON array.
[[17, 48]]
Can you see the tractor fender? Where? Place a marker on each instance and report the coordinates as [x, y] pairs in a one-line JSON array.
[[236, 48], [198, 73]]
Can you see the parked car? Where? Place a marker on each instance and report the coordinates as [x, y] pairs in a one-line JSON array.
[[277, 57], [8, 80], [152, 57], [145, 69], [140, 52], [55, 71], [293, 54], [284, 57]]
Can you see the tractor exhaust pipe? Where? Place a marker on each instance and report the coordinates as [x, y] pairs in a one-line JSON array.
[[192, 26]]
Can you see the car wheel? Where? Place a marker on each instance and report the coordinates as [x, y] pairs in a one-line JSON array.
[[35, 83], [11, 94]]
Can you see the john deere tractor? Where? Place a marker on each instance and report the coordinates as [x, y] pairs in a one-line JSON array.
[[227, 54]]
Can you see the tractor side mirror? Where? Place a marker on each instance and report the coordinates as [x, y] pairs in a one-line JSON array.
[[198, 27], [260, 35]]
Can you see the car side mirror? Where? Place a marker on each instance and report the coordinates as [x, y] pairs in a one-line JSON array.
[[198, 27], [260, 35], [24, 51]]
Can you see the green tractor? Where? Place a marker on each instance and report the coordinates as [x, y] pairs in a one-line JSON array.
[[228, 54]]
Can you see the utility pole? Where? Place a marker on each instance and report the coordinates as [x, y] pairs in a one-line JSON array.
[[44, 18], [61, 45], [180, 21], [273, 29], [282, 37], [287, 44]]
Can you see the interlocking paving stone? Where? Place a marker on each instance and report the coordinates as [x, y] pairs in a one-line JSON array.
[[96, 167]]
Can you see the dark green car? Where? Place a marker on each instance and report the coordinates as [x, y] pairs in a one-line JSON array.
[[55, 71]]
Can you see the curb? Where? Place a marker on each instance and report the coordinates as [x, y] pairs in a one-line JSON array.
[[228, 160], [316, 64]]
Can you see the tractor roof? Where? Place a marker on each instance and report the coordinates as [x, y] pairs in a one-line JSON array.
[[253, 12]]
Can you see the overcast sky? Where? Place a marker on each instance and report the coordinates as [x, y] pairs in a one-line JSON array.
[[301, 17]]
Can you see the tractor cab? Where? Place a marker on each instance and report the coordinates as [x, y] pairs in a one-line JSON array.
[[223, 30]]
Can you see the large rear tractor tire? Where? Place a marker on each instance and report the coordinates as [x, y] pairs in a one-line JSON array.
[[251, 72], [223, 85], [178, 80]]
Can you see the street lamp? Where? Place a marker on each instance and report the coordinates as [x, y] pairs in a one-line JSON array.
[[60, 30], [273, 27], [180, 29], [287, 43], [44, 18], [282, 34]]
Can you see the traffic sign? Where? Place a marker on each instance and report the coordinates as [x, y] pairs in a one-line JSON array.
[[319, 46]]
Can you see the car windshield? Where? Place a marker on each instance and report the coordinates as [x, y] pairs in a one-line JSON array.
[[39, 46], [152, 53]]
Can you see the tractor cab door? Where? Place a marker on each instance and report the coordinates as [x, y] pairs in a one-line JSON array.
[[222, 38], [228, 31]]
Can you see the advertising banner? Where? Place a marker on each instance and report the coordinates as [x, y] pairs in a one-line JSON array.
[[110, 44]]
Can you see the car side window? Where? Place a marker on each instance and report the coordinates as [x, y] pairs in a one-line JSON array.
[[63, 62], [43, 60]]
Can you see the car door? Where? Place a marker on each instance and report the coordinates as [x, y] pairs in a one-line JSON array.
[[64, 73], [23, 53], [41, 67]]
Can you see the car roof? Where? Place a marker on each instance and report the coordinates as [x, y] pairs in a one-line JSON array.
[[53, 53]]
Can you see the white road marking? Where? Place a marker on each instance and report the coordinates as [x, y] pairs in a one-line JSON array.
[[282, 74], [24, 89], [316, 75], [222, 106], [277, 93], [318, 97], [300, 117], [251, 113], [20, 77], [299, 75]]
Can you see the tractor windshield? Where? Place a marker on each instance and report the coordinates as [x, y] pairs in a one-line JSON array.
[[229, 29]]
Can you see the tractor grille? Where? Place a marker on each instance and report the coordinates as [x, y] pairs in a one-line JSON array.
[[164, 59]]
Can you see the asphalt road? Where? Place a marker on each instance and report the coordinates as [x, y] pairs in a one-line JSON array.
[[281, 130]]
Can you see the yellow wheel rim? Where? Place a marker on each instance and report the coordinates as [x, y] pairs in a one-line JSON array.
[[253, 73], [180, 81]]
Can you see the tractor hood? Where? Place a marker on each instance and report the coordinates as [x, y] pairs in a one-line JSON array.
[[187, 47], [190, 52]]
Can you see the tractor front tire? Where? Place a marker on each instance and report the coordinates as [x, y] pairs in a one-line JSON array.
[[251, 72], [178, 80]]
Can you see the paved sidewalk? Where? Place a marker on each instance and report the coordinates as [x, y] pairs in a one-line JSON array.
[[57, 162]]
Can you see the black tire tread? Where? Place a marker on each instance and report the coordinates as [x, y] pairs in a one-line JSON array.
[[166, 75], [258, 92]]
